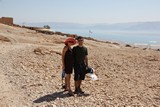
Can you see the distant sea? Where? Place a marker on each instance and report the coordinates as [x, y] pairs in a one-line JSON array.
[[128, 37]]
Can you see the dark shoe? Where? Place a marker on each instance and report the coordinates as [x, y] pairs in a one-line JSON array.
[[70, 93], [76, 91], [64, 87], [79, 91]]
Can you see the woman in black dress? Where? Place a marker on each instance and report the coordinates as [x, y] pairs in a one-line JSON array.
[[68, 61]]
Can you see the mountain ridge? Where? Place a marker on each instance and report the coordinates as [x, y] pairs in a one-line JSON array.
[[153, 26]]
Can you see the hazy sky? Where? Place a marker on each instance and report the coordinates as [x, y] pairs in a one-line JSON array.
[[81, 11]]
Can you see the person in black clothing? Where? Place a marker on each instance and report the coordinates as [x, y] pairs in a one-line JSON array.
[[80, 64], [67, 63]]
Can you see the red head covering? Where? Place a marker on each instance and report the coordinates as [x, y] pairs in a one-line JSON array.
[[70, 40]]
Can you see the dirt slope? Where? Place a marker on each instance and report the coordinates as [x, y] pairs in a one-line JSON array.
[[30, 73]]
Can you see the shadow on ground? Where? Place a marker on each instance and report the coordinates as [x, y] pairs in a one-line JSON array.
[[54, 96]]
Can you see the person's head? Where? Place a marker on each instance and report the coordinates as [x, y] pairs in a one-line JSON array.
[[80, 40], [70, 42]]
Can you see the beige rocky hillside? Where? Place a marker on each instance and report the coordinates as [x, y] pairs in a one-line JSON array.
[[30, 73]]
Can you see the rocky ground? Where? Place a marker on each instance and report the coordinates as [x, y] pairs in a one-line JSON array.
[[30, 73]]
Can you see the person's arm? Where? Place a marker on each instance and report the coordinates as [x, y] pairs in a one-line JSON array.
[[63, 55], [86, 60]]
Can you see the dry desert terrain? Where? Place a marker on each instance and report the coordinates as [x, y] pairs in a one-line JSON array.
[[30, 73]]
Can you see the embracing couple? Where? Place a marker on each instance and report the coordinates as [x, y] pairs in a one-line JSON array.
[[74, 58]]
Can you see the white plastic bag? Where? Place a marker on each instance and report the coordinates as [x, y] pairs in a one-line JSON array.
[[93, 77]]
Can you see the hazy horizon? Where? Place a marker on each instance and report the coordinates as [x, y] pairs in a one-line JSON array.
[[88, 23]]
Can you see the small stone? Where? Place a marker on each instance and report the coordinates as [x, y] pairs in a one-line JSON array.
[[48, 106], [58, 98], [53, 105]]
